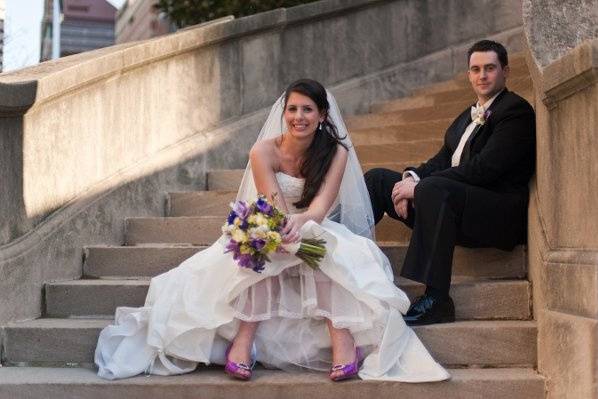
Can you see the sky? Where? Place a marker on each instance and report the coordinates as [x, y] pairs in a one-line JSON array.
[[22, 32]]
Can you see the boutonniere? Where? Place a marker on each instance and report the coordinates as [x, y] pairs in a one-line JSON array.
[[481, 118]]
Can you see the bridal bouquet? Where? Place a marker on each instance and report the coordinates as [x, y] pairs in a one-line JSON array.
[[254, 231]]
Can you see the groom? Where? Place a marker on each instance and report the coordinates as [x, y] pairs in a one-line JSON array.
[[473, 192]]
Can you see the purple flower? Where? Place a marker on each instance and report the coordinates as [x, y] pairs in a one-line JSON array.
[[258, 244], [231, 217], [487, 114], [263, 206], [241, 209], [232, 246], [258, 266], [245, 260]]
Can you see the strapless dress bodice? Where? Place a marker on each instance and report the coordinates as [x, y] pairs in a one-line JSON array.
[[292, 188]]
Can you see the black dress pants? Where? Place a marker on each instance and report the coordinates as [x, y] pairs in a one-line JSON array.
[[435, 215]]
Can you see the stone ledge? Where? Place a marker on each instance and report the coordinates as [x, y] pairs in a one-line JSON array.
[[574, 72], [26, 383], [61, 76]]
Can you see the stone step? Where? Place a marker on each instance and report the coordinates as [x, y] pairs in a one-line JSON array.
[[200, 203], [413, 152], [422, 114], [131, 262], [521, 86], [50, 342], [474, 300], [191, 230], [224, 179], [204, 230], [212, 383], [427, 130], [149, 261], [389, 229], [229, 180]]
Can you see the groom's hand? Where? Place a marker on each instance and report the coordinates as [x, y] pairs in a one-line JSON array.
[[401, 208], [403, 190]]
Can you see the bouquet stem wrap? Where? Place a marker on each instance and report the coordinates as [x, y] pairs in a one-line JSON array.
[[309, 250]]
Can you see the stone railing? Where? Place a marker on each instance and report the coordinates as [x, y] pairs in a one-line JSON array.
[[89, 139], [563, 217]]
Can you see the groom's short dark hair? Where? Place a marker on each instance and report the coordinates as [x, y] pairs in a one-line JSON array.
[[489, 45]]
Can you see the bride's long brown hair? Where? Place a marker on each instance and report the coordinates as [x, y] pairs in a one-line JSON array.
[[321, 152]]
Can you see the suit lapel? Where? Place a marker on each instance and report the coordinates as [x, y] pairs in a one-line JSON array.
[[467, 149], [461, 126]]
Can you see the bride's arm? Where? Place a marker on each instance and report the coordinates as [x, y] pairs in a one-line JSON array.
[[262, 164]]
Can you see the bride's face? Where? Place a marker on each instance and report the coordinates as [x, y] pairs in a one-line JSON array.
[[302, 115]]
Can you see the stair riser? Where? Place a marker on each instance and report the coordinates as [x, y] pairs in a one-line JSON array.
[[521, 86], [444, 111], [482, 301], [224, 180], [454, 344], [412, 152], [204, 231], [392, 136], [230, 180], [126, 262]]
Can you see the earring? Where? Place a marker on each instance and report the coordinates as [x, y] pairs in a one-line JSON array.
[[320, 127]]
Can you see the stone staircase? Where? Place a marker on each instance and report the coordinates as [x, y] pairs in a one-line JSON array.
[[490, 350]]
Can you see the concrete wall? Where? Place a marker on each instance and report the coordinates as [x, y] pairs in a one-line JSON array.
[[89, 139], [563, 217]]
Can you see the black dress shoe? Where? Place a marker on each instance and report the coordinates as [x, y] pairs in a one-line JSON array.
[[429, 310]]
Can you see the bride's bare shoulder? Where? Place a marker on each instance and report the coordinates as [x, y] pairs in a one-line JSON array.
[[264, 155], [264, 148]]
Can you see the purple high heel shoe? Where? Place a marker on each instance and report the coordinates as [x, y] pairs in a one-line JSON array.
[[240, 371], [349, 370]]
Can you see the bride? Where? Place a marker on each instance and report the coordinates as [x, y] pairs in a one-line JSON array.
[[343, 314]]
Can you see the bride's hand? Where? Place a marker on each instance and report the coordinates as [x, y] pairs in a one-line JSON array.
[[290, 231]]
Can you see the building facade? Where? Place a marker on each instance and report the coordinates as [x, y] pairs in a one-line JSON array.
[[139, 20], [86, 25]]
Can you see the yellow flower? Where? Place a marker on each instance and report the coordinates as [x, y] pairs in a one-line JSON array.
[[239, 235], [245, 249], [261, 220], [274, 236]]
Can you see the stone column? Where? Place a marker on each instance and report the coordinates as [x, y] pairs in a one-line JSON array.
[[563, 219]]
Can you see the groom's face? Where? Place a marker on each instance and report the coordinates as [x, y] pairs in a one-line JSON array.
[[486, 75]]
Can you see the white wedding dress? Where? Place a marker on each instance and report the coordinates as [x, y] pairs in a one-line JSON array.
[[191, 312]]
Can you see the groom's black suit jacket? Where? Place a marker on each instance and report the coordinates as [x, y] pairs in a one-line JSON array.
[[497, 163]]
